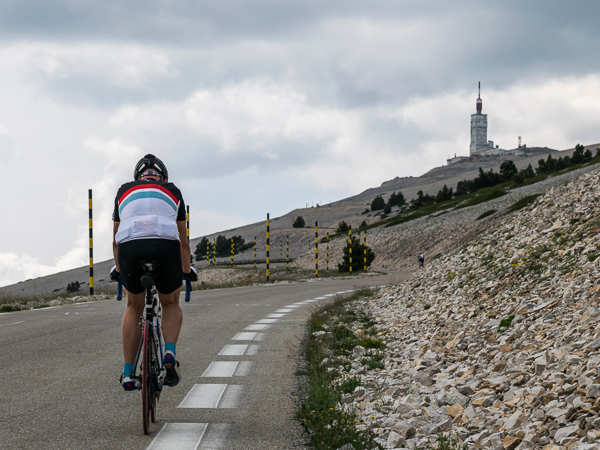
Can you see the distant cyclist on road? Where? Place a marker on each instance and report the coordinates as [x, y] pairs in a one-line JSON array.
[[421, 257], [150, 225]]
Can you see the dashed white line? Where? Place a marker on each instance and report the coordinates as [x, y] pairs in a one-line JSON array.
[[295, 306], [275, 315], [212, 396], [329, 295], [179, 436], [244, 337], [284, 310], [256, 327], [13, 323], [220, 369], [266, 321], [233, 350], [317, 298]]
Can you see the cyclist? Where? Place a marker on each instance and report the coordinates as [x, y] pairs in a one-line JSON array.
[[421, 257], [150, 225]]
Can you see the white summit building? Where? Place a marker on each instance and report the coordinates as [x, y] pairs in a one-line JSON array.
[[479, 142], [480, 146]]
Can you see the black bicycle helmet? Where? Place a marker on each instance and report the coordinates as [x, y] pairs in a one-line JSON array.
[[150, 162]]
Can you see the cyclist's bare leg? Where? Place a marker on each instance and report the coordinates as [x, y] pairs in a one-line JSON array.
[[131, 332], [172, 317]]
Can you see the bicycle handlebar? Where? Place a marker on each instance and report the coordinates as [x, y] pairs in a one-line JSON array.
[[188, 289]]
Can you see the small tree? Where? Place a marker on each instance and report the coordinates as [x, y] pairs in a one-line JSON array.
[[508, 169], [201, 249], [342, 228], [444, 194], [378, 203], [397, 199], [73, 287], [387, 208], [587, 155], [358, 255], [578, 157], [363, 224], [298, 222]]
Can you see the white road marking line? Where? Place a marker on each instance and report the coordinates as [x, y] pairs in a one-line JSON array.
[[13, 323], [317, 298], [293, 306], [221, 369], [299, 303], [243, 369], [233, 350], [203, 396], [252, 350], [256, 327], [215, 436], [329, 295], [260, 337], [276, 315], [266, 321], [284, 310], [179, 436], [212, 396], [244, 337]]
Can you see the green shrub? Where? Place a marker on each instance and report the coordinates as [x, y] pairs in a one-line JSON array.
[[378, 203], [342, 228], [387, 208], [486, 214], [505, 323], [298, 222], [523, 202], [358, 257], [201, 249], [73, 287]]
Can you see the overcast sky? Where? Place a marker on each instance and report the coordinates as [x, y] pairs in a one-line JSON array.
[[264, 106]]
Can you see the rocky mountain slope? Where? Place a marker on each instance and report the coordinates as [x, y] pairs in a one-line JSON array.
[[499, 340]]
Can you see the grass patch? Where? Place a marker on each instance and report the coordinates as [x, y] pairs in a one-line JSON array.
[[9, 308], [327, 425], [487, 214], [481, 196], [415, 286], [505, 323], [523, 202]]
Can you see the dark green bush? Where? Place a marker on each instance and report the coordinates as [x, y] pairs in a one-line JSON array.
[[73, 287], [378, 203], [298, 222]]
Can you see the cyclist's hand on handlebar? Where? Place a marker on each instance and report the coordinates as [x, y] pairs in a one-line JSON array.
[[114, 274], [193, 275]]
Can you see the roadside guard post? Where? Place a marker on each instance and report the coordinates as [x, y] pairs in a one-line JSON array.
[[317, 249], [214, 252], [91, 246], [187, 222], [268, 246], [328, 252], [287, 262], [207, 252], [365, 261], [255, 252], [231, 251], [350, 247]]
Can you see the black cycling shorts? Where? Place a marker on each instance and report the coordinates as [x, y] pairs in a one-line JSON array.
[[167, 253]]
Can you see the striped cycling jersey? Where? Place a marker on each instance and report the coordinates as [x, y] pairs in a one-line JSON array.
[[148, 209]]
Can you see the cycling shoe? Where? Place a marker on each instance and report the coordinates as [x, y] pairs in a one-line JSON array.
[[172, 367], [128, 383]]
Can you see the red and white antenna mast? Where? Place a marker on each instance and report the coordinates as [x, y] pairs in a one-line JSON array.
[[479, 101]]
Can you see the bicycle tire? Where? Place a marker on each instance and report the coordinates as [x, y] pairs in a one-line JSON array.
[[147, 403]]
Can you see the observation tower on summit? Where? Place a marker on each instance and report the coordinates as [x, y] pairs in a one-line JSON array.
[[479, 140]]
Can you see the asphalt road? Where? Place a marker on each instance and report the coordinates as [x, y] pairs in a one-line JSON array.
[[60, 368]]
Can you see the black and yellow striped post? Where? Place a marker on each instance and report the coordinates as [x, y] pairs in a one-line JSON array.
[[328, 252], [255, 252], [268, 224], [232, 251], [280, 250], [207, 252], [365, 242], [187, 222], [287, 260], [214, 252], [350, 247], [317, 249], [91, 245]]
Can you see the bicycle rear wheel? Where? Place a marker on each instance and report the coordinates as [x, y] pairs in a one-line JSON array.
[[147, 382]]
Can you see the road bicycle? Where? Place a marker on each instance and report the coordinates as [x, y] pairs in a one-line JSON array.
[[149, 370]]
